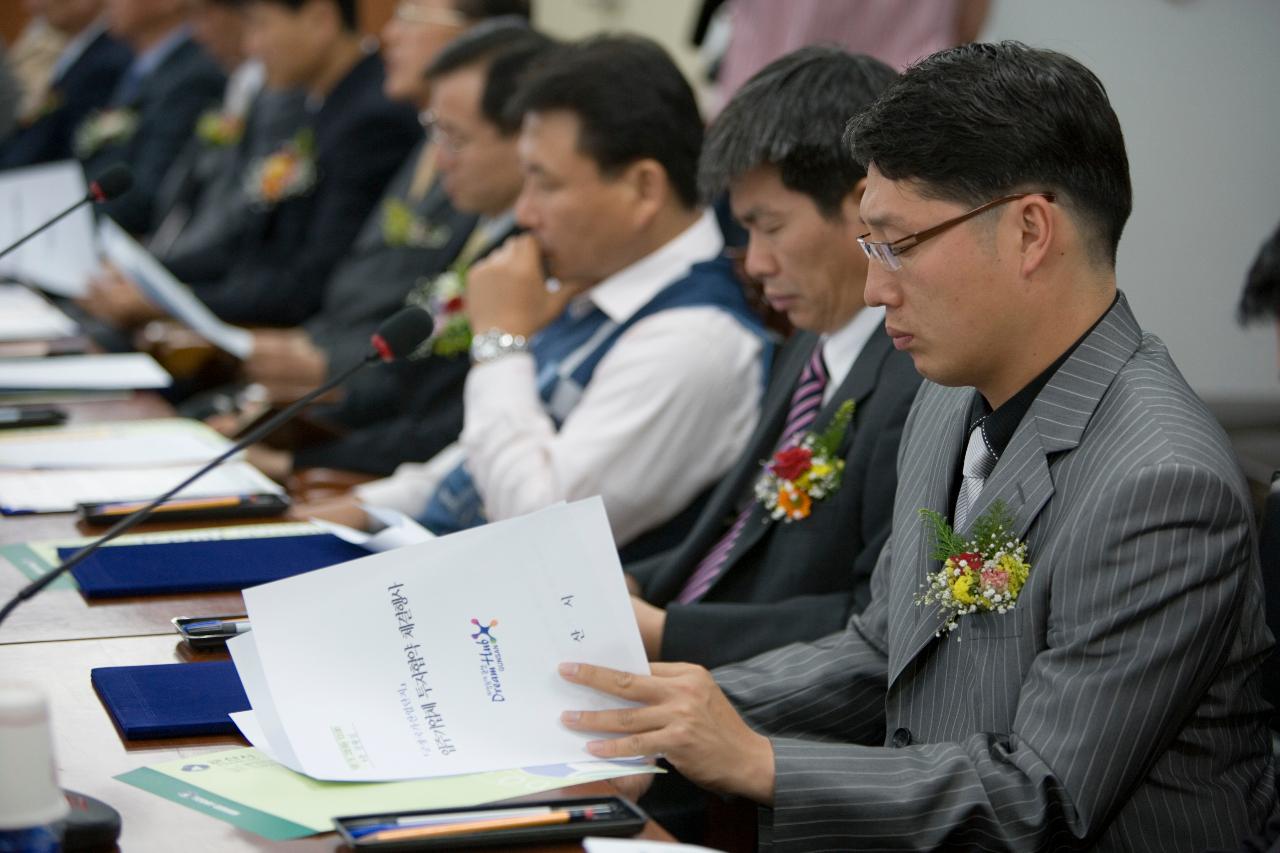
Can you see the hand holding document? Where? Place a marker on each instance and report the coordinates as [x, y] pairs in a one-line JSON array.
[[169, 294], [439, 658], [60, 259]]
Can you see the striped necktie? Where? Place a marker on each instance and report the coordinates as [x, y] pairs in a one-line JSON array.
[[978, 463], [806, 401]]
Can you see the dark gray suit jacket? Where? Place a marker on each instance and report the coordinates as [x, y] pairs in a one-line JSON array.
[[788, 582], [1116, 706]]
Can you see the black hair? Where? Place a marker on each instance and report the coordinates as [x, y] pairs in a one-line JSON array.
[[972, 123], [631, 101], [791, 115], [346, 10], [506, 46], [479, 10], [1261, 297]]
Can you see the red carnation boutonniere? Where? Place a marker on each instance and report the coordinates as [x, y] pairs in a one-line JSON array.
[[288, 173], [808, 471]]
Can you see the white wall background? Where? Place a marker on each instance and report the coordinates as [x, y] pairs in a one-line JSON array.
[[1196, 84]]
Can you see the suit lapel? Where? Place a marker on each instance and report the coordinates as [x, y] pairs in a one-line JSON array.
[[857, 384], [1055, 423]]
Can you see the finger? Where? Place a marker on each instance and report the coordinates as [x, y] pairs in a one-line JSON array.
[[672, 670], [621, 720], [630, 746], [624, 685]]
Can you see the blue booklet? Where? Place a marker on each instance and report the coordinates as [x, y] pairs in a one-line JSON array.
[[205, 566], [171, 699]]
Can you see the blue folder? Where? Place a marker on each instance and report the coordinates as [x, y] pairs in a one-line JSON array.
[[210, 566], [171, 699]]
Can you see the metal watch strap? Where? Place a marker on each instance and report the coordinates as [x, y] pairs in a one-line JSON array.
[[495, 343]]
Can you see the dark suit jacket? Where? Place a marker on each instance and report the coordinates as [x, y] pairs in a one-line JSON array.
[[786, 582], [290, 249], [202, 208], [86, 85], [168, 102], [1115, 707]]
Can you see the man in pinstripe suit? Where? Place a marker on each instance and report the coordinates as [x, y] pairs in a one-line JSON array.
[[1116, 705]]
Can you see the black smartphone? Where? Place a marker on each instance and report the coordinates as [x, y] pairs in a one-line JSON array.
[[190, 509], [524, 822], [15, 417]]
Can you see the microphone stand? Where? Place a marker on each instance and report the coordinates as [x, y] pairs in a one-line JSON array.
[[136, 517]]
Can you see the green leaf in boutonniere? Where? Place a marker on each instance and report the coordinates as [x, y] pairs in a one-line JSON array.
[[805, 472], [402, 228], [103, 128], [984, 572]]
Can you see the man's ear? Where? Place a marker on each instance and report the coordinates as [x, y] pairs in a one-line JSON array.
[[849, 207], [650, 187], [1037, 231]]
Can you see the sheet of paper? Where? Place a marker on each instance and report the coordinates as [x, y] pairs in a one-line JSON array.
[[26, 316], [111, 372], [60, 491], [597, 844], [116, 444], [166, 292], [61, 258], [442, 656], [398, 530], [247, 789]]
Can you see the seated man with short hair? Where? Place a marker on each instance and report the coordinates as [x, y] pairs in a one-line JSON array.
[[752, 575], [633, 373]]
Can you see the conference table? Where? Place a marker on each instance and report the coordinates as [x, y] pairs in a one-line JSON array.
[[55, 639]]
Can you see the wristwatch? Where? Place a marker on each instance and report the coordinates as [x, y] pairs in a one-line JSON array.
[[495, 343]]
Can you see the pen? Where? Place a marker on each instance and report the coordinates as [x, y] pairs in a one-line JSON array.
[[455, 822], [188, 503], [217, 626]]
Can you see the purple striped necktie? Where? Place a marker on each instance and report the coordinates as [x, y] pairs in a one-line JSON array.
[[806, 401]]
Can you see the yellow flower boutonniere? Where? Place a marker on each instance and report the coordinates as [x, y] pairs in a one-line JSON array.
[[103, 128], [288, 173], [218, 129], [402, 228]]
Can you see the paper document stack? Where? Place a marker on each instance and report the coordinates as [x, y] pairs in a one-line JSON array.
[[439, 658]]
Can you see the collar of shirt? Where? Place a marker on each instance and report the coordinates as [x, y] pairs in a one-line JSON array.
[[76, 47], [151, 59], [999, 426], [841, 348], [491, 228], [631, 288]]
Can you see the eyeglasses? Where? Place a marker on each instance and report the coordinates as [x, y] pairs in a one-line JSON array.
[[453, 142], [415, 13], [889, 253]]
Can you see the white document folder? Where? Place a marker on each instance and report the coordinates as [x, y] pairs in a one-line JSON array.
[[440, 658], [61, 258]]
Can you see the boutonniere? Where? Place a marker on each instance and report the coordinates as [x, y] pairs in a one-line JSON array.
[[219, 129], [288, 173], [443, 299], [404, 229], [985, 572], [51, 103], [102, 128], [805, 472]]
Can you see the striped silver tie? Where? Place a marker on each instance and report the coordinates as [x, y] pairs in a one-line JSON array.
[[978, 462]]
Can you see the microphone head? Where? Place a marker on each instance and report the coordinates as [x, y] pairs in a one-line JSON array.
[[113, 182], [402, 332]]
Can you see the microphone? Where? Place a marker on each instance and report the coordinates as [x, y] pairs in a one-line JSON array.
[[396, 338], [112, 183]]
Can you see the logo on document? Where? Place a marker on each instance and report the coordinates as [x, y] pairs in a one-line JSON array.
[[491, 666], [194, 768]]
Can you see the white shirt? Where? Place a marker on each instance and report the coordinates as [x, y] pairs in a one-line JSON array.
[[841, 348], [667, 411]]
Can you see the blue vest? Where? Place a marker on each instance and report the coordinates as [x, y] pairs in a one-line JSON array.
[[566, 354]]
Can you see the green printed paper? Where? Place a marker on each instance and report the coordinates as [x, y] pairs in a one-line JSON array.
[[248, 790]]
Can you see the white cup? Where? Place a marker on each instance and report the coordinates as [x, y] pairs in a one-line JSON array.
[[29, 792]]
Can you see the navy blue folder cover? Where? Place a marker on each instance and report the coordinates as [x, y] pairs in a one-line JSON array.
[[208, 566], [171, 699]]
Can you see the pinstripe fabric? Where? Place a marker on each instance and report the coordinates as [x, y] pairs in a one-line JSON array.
[[1116, 707]]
